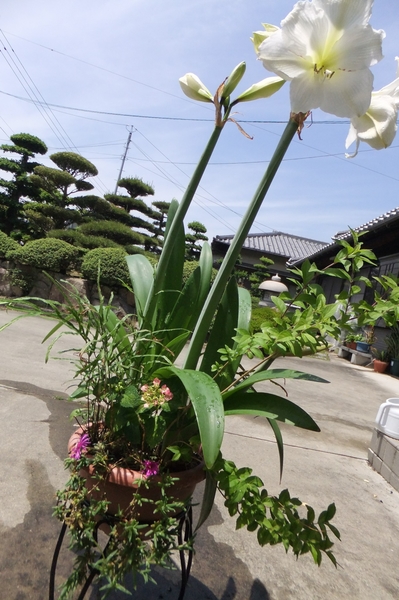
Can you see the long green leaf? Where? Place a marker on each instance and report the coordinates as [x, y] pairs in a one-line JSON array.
[[207, 402], [273, 374], [206, 264], [270, 406], [169, 273], [207, 499], [117, 331], [142, 276], [280, 444], [223, 330]]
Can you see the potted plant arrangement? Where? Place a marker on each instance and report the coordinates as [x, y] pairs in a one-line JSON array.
[[351, 340], [152, 396], [366, 339], [381, 360]]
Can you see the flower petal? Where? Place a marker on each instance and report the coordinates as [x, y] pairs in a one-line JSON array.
[[306, 92], [347, 94], [358, 48], [378, 126], [346, 13], [286, 62]]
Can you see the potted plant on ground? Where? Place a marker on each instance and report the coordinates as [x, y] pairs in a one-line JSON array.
[[381, 360], [145, 421]]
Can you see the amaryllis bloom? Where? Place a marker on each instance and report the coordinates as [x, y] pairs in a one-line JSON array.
[[150, 468], [80, 446], [377, 127], [325, 48]]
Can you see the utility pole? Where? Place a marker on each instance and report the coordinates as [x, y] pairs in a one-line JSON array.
[[129, 137]]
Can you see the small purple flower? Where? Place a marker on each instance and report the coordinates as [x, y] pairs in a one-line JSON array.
[[151, 468], [80, 445]]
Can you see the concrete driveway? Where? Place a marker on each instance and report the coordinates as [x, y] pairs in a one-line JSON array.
[[319, 468]]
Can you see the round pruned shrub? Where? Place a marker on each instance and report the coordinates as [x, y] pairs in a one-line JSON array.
[[112, 265], [7, 244], [47, 254]]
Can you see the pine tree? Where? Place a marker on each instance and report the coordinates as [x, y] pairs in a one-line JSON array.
[[193, 248], [15, 191]]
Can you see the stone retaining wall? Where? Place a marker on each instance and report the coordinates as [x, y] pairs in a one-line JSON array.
[[18, 280]]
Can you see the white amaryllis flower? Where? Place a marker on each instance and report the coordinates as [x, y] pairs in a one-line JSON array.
[[377, 127], [325, 48], [193, 87]]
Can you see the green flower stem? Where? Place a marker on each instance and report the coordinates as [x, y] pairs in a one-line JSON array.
[[218, 287], [182, 211]]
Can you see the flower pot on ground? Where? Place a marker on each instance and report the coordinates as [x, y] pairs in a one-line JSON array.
[[381, 360], [380, 366]]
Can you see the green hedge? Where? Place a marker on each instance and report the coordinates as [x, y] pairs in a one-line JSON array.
[[48, 254], [113, 267], [7, 244]]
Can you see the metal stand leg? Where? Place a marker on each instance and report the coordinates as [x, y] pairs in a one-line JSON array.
[[184, 534]]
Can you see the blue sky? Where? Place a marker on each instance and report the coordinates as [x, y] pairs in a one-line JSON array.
[[126, 56]]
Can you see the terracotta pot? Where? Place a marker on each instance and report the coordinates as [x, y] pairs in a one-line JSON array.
[[351, 345], [121, 484], [380, 366]]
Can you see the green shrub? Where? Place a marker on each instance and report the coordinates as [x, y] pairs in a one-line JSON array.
[[7, 244], [48, 254], [260, 314], [113, 267], [190, 266]]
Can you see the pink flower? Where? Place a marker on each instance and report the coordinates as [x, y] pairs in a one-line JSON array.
[[144, 388], [151, 468], [156, 381], [80, 446], [166, 392]]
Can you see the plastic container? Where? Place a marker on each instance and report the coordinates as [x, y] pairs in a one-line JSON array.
[[387, 419]]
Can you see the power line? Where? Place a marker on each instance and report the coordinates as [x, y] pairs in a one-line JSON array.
[[166, 118], [151, 87]]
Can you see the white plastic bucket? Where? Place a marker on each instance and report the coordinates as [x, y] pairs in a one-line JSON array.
[[387, 419]]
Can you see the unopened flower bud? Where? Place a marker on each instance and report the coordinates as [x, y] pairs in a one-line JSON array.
[[193, 87]]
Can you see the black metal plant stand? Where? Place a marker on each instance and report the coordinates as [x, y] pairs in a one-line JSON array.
[[184, 533]]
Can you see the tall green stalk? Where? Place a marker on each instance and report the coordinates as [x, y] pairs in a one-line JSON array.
[[218, 287], [179, 216]]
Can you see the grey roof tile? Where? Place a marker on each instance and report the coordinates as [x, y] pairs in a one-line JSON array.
[[279, 243]]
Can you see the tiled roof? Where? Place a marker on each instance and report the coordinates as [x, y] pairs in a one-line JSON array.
[[391, 215], [282, 244], [382, 220]]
